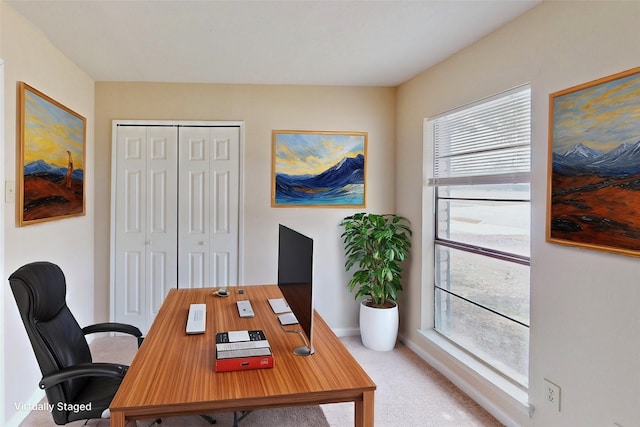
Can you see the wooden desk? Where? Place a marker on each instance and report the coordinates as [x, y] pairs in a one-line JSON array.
[[173, 373]]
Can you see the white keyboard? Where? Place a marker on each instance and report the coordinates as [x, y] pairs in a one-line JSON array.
[[196, 322]]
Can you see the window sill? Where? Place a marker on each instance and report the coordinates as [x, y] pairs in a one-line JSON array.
[[475, 379]]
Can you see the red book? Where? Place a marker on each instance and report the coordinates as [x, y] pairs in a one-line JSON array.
[[244, 363]]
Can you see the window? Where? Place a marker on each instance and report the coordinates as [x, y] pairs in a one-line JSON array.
[[481, 168]]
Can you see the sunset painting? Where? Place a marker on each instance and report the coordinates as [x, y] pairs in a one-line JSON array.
[[52, 156], [594, 184], [321, 169]]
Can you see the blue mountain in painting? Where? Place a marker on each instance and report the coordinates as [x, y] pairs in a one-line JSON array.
[[40, 168], [349, 170], [624, 160], [331, 183]]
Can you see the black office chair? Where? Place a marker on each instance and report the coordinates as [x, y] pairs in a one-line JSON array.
[[76, 387]]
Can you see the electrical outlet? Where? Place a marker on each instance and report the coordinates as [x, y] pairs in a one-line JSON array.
[[10, 191], [552, 394]]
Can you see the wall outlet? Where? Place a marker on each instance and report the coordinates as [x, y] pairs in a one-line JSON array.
[[552, 394], [10, 191]]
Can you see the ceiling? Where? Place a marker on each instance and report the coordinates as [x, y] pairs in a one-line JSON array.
[[339, 42]]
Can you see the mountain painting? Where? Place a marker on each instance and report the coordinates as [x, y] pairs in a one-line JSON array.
[[52, 156], [594, 186], [318, 169]]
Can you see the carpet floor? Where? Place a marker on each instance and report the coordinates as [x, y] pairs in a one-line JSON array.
[[409, 393]]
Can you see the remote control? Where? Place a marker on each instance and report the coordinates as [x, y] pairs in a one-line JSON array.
[[245, 309]]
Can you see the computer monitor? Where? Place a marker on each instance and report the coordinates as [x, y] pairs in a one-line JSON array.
[[295, 280]]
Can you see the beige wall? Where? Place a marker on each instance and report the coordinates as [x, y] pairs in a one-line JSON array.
[[584, 304], [263, 109], [29, 57]]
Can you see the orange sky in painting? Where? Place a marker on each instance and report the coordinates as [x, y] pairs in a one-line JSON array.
[[50, 131]]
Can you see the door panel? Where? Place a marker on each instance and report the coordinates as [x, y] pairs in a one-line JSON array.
[[145, 225], [193, 211], [222, 215], [133, 209], [198, 213], [225, 167], [197, 268], [162, 221], [132, 283], [208, 211], [159, 284], [222, 267], [129, 229]]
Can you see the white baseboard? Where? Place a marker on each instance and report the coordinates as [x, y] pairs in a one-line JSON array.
[[18, 414], [346, 332]]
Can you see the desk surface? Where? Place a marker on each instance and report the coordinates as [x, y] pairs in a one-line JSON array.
[[173, 373]]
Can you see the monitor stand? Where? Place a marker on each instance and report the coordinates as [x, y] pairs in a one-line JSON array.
[[303, 351]]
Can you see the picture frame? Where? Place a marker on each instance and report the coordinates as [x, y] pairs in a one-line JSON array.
[[593, 181], [51, 156], [318, 169]]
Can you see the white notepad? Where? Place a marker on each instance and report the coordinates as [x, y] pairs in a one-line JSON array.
[[279, 305], [287, 319], [235, 336]]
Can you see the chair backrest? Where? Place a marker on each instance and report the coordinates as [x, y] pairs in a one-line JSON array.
[[56, 337]]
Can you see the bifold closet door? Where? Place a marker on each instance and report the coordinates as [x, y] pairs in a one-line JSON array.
[[208, 197], [146, 225]]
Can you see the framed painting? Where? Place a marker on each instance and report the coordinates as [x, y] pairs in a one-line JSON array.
[[594, 165], [318, 169], [51, 159]]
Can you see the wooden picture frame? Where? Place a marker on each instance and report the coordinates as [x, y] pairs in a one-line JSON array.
[[593, 196], [318, 169], [51, 154]]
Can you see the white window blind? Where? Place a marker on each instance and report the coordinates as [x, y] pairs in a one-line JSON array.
[[484, 143]]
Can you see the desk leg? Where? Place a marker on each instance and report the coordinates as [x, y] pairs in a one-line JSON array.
[[364, 410], [117, 419]]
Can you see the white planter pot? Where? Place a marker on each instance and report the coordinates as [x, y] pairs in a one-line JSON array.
[[378, 327]]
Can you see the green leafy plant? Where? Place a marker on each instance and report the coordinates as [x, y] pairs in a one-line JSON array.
[[377, 244]]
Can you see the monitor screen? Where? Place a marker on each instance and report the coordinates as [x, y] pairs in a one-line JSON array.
[[295, 278]]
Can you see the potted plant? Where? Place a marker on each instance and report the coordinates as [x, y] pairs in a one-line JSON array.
[[376, 244]]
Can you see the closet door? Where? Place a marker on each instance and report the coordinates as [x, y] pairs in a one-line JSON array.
[[209, 170], [145, 222]]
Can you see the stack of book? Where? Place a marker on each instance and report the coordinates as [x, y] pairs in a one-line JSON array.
[[232, 354]]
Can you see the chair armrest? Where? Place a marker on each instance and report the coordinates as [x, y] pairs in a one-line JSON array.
[[83, 370], [112, 327]]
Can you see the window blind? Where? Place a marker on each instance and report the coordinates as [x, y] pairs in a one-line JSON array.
[[486, 142]]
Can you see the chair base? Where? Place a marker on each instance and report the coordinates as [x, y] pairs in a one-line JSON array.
[[209, 419], [205, 417], [237, 418]]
